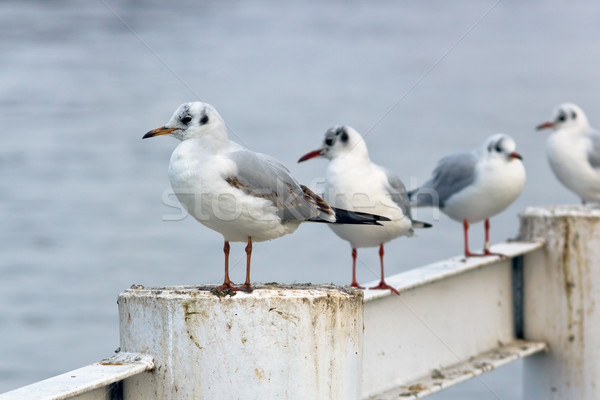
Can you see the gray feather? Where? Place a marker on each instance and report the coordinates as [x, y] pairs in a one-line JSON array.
[[594, 151], [262, 176], [452, 174], [398, 193]]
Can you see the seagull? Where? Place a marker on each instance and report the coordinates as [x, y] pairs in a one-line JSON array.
[[573, 150], [474, 186], [245, 196], [355, 183]]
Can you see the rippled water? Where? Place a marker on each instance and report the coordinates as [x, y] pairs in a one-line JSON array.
[[81, 196]]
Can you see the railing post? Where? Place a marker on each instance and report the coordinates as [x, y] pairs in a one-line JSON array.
[[298, 342], [562, 302]]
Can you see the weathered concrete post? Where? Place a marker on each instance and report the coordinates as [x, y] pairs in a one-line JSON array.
[[562, 302], [299, 342]]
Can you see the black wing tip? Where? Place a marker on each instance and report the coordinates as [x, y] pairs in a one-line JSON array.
[[357, 218], [421, 224]]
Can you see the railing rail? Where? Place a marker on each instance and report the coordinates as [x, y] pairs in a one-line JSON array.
[[453, 315], [94, 382]]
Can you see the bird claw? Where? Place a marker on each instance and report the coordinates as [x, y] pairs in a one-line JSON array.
[[469, 254], [356, 285], [244, 288], [383, 285], [225, 286], [486, 252]]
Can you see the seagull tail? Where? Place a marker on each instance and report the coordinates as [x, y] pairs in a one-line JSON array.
[[333, 215], [357, 218], [420, 224], [324, 211]]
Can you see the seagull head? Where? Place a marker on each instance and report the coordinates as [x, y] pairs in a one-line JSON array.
[[566, 115], [191, 120], [339, 141], [502, 145]]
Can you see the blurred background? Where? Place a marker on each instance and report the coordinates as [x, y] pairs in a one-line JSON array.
[[85, 209]]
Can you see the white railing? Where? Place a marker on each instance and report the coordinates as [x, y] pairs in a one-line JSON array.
[[453, 320], [98, 381]]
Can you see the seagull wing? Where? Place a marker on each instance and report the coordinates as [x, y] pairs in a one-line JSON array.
[[262, 176], [397, 192], [452, 174], [593, 154]]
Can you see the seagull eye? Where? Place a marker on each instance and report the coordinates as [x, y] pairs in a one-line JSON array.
[[329, 141], [186, 120], [204, 119], [498, 148], [561, 117]]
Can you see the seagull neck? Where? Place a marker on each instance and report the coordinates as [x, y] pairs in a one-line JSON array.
[[355, 157], [584, 123], [212, 143], [584, 128]]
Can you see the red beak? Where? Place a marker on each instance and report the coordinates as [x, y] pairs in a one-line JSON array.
[[545, 125], [312, 154], [514, 154]]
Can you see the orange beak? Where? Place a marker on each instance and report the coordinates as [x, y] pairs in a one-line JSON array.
[[163, 130]]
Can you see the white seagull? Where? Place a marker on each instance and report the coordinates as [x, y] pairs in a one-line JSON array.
[[245, 196], [573, 150], [474, 186], [355, 183]]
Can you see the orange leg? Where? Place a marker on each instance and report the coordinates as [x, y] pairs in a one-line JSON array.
[[486, 249], [354, 282], [382, 284], [246, 287], [227, 283], [467, 252]]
